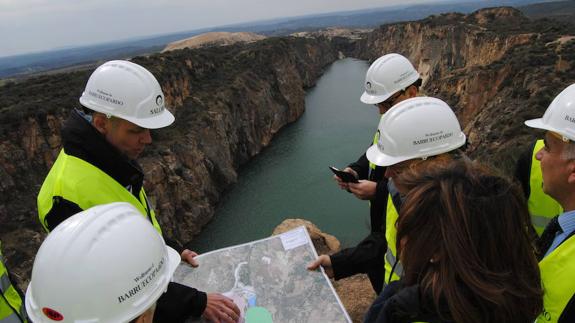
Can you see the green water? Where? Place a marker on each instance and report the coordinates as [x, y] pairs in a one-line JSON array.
[[291, 179]]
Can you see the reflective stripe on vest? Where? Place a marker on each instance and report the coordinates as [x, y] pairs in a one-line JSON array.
[[86, 185], [11, 309], [372, 166], [390, 236], [541, 206], [12, 318], [557, 270]]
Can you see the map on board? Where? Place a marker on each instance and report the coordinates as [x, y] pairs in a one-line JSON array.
[[268, 280]]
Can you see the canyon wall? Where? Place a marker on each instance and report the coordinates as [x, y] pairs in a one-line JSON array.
[[495, 68], [229, 102]]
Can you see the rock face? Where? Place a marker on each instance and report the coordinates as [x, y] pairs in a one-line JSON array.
[[355, 292], [214, 39], [494, 67], [228, 106]]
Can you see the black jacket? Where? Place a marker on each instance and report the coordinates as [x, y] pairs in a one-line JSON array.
[[368, 256], [399, 304], [80, 139]]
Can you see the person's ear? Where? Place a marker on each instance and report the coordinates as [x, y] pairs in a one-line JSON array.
[[100, 122], [411, 91]]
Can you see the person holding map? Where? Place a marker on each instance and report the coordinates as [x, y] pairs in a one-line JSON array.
[[97, 164]]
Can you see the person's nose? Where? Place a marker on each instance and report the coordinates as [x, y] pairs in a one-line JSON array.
[[388, 172], [146, 137]]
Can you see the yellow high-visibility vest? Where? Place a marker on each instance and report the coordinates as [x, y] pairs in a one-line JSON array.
[[390, 236], [11, 307], [86, 185], [557, 270], [372, 166]]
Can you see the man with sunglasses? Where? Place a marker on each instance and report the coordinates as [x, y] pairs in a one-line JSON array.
[[388, 81], [542, 207], [557, 243]]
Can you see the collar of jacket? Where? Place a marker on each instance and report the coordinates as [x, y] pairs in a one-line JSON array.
[[396, 197], [80, 139]]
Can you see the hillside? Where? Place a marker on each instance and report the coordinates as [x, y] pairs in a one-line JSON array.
[[22, 65], [213, 39], [560, 10], [496, 68]]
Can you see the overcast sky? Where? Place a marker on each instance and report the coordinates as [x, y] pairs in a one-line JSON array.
[[37, 25]]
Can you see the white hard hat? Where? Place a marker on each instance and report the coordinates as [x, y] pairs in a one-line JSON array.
[[559, 116], [416, 128], [128, 91], [105, 264], [387, 75]]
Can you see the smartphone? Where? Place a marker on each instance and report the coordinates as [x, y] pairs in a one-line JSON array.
[[344, 176]]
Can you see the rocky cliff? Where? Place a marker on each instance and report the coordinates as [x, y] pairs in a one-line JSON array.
[[495, 67], [228, 105]]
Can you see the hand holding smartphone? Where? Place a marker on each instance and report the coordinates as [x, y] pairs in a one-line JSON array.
[[344, 176]]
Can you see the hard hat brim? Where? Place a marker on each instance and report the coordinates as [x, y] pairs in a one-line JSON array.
[[373, 99], [174, 260], [538, 124], [31, 309], [380, 159], [162, 120], [375, 156]]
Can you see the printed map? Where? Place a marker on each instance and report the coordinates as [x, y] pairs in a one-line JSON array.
[[268, 280]]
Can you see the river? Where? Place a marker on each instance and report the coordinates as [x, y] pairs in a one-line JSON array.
[[291, 179]]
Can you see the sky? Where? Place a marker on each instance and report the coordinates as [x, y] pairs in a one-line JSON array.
[[39, 25]]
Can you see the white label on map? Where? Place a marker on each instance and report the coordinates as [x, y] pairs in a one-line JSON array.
[[294, 238]]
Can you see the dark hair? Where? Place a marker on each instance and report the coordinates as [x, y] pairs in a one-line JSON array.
[[463, 236], [417, 83]]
